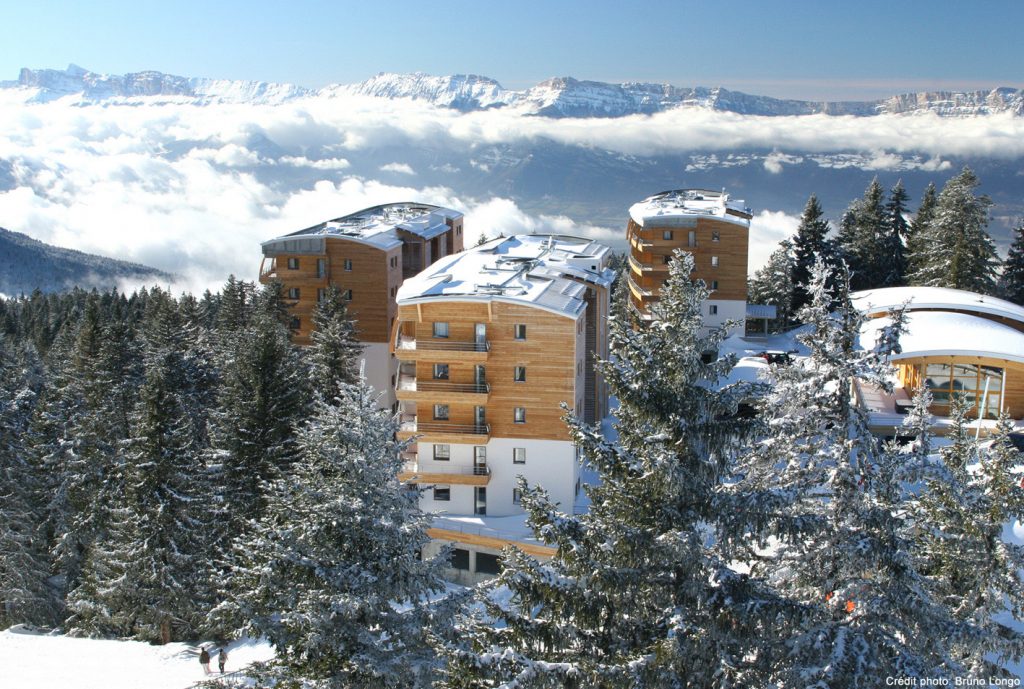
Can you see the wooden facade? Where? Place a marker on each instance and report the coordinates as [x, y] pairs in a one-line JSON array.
[[719, 248], [370, 271], [480, 357]]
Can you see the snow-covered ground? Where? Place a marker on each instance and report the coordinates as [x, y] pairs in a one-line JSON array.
[[42, 661]]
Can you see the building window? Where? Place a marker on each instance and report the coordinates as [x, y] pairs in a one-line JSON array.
[[293, 292], [347, 264], [440, 329], [442, 453], [520, 415], [667, 235], [519, 331], [321, 294], [666, 259], [440, 371], [714, 261], [347, 295], [488, 564], [394, 291], [691, 238], [517, 496], [295, 323], [715, 235], [321, 267], [441, 412], [519, 455], [519, 375], [968, 380], [714, 284], [443, 493], [460, 559], [713, 310], [293, 264]]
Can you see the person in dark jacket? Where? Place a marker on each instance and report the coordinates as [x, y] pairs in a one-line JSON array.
[[204, 659]]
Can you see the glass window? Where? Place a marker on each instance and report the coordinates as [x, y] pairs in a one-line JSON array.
[[519, 455], [347, 295], [715, 235], [714, 284], [967, 380], [295, 324], [520, 374], [442, 493], [460, 559], [520, 331], [442, 453], [713, 310], [691, 238], [293, 264], [714, 261], [440, 371], [520, 415], [293, 292], [517, 496], [321, 294], [488, 564], [441, 412], [667, 235], [666, 259], [321, 267], [347, 264], [440, 329]]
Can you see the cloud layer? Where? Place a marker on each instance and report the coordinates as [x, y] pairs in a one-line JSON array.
[[194, 190]]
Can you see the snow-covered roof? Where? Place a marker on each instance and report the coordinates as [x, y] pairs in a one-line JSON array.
[[934, 298], [945, 333], [378, 226], [681, 207], [542, 270]]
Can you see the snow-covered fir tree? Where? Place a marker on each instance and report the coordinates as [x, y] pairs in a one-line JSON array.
[[25, 595], [635, 594], [153, 569], [955, 249], [334, 356], [973, 494], [1011, 282], [332, 573], [897, 233], [863, 240], [811, 241], [822, 511], [915, 243], [772, 285]]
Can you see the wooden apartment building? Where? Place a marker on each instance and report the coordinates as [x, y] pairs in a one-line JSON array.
[[368, 255], [708, 224]]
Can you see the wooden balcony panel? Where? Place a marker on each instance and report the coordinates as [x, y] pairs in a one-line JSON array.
[[412, 349], [456, 475], [440, 432], [410, 389]]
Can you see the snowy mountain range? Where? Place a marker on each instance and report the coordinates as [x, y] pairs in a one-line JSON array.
[[558, 97]]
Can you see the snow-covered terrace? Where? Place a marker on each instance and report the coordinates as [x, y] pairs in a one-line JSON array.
[[531, 269], [682, 206], [377, 226]]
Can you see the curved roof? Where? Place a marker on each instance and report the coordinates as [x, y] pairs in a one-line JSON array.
[[541, 270], [934, 298], [682, 206], [377, 226], [944, 333]]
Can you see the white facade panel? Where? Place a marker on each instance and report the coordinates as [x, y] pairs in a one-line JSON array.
[[378, 368], [727, 309]]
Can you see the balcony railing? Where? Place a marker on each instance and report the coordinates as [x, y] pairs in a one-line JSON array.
[[411, 425], [441, 344], [411, 384], [439, 468]]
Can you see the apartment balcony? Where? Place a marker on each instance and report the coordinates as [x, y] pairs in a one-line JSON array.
[[441, 349], [434, 472], [408, 388], [638, 291], [268, 270], [443, 432]]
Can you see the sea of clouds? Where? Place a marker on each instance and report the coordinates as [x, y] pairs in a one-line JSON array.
[[183, 187]]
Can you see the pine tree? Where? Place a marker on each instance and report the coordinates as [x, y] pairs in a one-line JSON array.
[[821, 510], [25, 595], [772, 286], [810, 242], [864, 241], [1011, 282], [955, 249], [971, 496], [915, 233], [332, 573], [634, 594], [897, 235], [334, 356]]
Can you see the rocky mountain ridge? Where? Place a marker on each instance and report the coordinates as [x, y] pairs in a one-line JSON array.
[[557, 97]]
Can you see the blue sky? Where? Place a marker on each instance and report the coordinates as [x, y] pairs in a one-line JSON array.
[[824, 49]]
